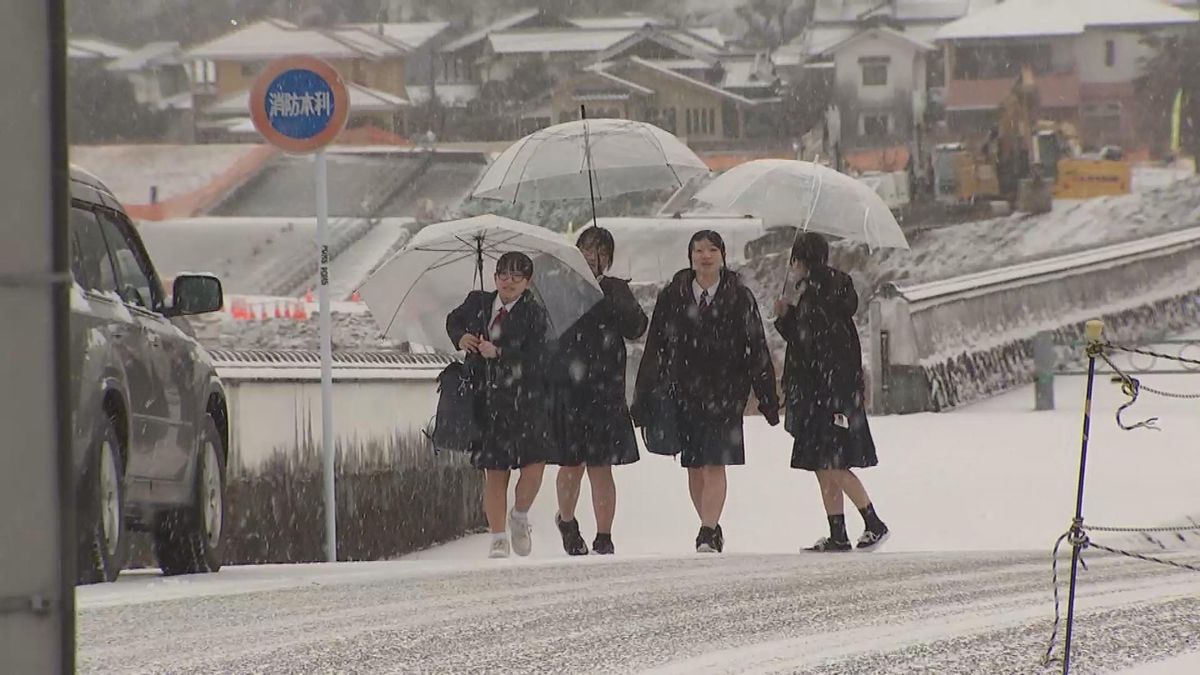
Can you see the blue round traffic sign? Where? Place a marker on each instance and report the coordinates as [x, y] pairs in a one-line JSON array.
[[299, 104]]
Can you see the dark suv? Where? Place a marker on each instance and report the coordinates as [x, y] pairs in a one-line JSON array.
[[150, 424]]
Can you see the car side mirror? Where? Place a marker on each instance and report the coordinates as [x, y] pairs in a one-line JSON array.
[[196, 294]]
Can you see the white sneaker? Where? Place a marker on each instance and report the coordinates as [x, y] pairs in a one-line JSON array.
[[499, 548], [522, 534]]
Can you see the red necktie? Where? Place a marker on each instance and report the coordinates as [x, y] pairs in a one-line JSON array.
[[703, 301], [499, 318]]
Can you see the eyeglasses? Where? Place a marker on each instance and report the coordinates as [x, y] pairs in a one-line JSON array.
[[511, 276]]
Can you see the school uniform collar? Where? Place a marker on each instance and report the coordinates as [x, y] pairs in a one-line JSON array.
[[697, 289], [496, 305]]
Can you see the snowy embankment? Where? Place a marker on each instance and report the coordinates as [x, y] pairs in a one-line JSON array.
[[962, 491]]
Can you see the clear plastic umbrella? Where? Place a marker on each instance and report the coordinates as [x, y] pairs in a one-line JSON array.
[[808, 196], [411, 294], [594, 158]]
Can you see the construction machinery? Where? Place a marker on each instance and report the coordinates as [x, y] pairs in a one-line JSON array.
[[1026, 161]]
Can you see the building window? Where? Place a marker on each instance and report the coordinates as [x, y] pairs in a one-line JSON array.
[[1102, 120], [874, 70], [875, 125], [669, 122], [1110, 53]]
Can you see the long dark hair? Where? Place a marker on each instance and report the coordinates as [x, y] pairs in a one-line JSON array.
[[711, 236]]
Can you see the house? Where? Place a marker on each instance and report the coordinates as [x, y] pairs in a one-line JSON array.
[[373, 57], [882, 60], [563, 45], [685, 81], [158, 75], [880, 86], [1085, 56], [636, 88], [459, 58]]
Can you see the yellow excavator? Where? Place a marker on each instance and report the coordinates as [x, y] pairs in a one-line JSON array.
[[1025, 162]]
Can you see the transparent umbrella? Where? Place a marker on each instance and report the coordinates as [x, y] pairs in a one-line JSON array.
[[589, 158], [808, 196], [411, 294]]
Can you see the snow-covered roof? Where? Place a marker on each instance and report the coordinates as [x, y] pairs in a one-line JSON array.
[[272, 38], [453, 95], [850, 11], [511, 21], [600, 69], [633, 21], [554, 40], [748, 73], [362, 99], [413, 34], [699, 84], [1044, 18], [702, 37], [148, 56], [881, 31], [85, 48]]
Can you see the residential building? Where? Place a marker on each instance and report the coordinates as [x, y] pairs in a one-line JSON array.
[[1085, 55], [562, 45], [372, 57], [883, 63], [648, 90], [158, 75]]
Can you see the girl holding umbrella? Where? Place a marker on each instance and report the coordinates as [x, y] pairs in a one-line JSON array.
[[823, 390], [705, 350], [594, 428], [504, 335]]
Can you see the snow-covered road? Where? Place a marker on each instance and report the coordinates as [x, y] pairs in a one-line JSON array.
[[854, 613], [975, 498]]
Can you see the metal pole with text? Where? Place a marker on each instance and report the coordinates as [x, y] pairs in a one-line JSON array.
[[37, 533], [326, 337]]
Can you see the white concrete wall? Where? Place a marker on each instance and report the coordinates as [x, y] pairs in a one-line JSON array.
[[1130, 53], [901, 71], [270, 416]]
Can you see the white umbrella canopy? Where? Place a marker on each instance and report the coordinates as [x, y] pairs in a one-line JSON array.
[[808, 196], [618, 156], [411, 294]]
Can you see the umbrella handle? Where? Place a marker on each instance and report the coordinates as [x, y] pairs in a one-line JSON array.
[[587, 157]]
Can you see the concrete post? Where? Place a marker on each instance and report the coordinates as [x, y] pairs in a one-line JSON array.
[[37, 598], [878, 358], [1044, 364]]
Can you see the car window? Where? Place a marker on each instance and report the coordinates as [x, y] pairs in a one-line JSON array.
[[90, 263], [135, 281]]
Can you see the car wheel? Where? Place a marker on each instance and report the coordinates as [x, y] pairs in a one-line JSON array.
[[188, 540], [104, 544]]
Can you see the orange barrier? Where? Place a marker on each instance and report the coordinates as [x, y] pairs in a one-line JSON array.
[[197, 201]]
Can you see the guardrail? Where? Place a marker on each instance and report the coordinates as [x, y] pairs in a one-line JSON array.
[[940, 344]]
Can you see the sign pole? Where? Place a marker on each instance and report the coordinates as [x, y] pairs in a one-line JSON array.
[[300, 104], [325, 328]]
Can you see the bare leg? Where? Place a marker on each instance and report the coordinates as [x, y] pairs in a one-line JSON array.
[[853, 488], [528, 484], [696, 488], [831, 492], [604, 497], [495, 498], [569, 480], [713, 501]]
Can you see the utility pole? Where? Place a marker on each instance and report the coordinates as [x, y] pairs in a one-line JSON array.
[[37, 533]]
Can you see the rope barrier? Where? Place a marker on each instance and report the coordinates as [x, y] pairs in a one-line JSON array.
[[1077, 535]]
